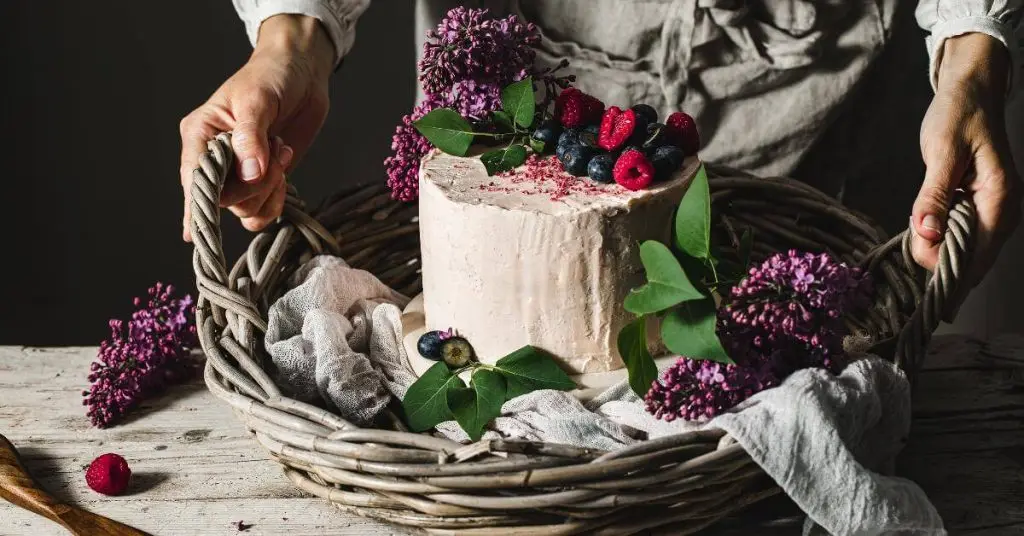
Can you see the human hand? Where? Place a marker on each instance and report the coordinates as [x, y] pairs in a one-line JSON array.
[[964, 145], [274, 105]]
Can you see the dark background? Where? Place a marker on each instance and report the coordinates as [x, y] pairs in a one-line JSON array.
[[92, 95], [90, 102]]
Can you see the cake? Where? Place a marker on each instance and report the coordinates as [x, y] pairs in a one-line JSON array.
[[536, 256]]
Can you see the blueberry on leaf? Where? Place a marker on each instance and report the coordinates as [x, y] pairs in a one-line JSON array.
[[457, 352], [600, 168], [429, 344]]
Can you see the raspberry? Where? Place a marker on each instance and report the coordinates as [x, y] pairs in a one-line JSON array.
[[575, 108], [633, 171], [616, 127], [683, 131], [109, 474]]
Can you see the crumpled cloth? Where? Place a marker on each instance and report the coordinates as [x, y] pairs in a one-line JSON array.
[[828, 441]]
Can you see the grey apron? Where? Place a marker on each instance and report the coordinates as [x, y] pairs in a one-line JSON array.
[[777, 87]]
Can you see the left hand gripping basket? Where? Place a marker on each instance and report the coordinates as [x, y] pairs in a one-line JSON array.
[[684, 482]]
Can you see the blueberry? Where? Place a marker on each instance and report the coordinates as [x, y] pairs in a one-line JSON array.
[[648, 112], [548, 133], [576, 158], [666, 160], [569, 136], [429, 344], [589, 139], [593, 129], [600, 168], [457, 352], [639, 135], [657, 136]]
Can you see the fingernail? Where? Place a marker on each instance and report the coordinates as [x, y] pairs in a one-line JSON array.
[[931, 223], [285, 155], [250, 169]]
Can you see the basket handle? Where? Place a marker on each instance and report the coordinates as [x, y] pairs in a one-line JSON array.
[[227, 304], [945, 288]]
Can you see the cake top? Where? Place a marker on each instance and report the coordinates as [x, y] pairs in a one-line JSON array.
[[540, 185]]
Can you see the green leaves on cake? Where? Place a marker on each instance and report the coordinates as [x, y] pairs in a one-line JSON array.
[[511, 126], [682, 282], [440, 395]]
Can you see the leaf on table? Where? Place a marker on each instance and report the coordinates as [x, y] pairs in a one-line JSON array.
[[445, 129], [531, 369], [632, 345], [426, 402], [689, 330], [667, 284]]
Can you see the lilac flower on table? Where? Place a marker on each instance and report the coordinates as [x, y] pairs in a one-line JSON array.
[[143, 357]]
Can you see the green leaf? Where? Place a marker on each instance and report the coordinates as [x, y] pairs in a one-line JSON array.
[[503, 120], [446, 130], [518, 100], [480, 404], [537, 146], [689, 331], [667, 284], [693, 218], [531, 369], [505, 159], [632, 344], [426, 401]]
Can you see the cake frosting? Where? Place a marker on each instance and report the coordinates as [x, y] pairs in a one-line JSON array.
[[536, 256]]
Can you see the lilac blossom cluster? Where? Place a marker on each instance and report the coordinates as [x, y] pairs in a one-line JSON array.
[[466, 61], [784, 316], [143, 357]]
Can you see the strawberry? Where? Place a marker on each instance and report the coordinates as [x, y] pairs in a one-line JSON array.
[[633, 171], [109, 474]]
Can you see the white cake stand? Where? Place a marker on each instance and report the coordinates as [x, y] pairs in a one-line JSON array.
[[590, 384]]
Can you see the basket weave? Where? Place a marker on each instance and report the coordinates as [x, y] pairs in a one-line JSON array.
[[686, 482]]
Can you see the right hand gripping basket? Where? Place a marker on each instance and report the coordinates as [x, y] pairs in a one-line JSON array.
[[680, 483]]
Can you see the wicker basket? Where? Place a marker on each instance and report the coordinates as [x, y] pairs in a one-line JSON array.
[[685, 482]]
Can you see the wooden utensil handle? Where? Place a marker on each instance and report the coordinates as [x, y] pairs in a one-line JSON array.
[[18, 487]]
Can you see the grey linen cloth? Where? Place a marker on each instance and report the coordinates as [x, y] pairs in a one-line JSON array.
[[828, 441]]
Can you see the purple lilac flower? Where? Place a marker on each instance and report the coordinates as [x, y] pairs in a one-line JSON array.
[[699, 389], [786, 315], [469, 45], [792, 305], [142, 358], [466, 62]]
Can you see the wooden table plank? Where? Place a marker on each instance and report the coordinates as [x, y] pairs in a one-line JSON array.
[[198, 470]]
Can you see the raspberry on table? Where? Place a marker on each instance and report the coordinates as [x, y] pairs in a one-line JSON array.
[[109, 474], [633, 171]]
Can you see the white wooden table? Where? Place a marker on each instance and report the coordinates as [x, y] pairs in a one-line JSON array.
[[198, 471]]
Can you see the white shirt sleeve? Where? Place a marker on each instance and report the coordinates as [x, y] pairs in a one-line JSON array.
[[949, 18], [338, 17]]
